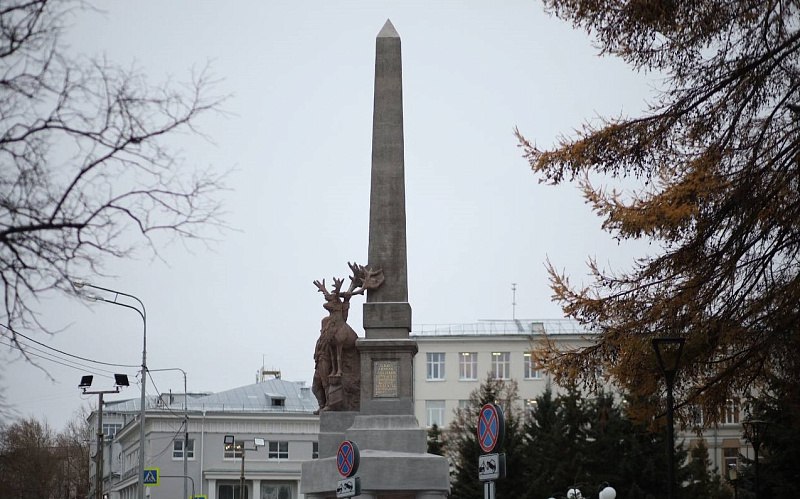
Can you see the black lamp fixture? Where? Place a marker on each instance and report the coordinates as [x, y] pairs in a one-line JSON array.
[[754, 432], [668, 354], [120, 380]]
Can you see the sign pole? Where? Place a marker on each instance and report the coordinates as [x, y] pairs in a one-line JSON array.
[[488, 490], [491, 465], [347, 460]]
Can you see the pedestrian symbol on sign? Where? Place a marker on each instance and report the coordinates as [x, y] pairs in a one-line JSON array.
[[151, 477]]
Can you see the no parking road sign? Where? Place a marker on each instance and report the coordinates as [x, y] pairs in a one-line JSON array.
[[491, 428], [347, 458]]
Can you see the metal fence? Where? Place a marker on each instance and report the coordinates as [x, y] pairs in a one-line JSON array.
[[488, 327]]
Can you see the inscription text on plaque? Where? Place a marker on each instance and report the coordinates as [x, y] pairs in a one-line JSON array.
[[385, 374]]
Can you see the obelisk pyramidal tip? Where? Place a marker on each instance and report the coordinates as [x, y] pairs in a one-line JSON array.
[[388, 31]]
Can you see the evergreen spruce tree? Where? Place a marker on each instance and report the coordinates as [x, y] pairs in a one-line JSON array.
[[642, 465], [546, 471], [572, 440], [779, 456], [435, 440], [702, 482], [462, 444]]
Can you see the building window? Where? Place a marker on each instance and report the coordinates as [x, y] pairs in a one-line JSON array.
[[435, 410], [231, 491], [271, 490], [177, 449], [435, 363], [278, 450], [463, 404], [530, 408], [731, 456], [468, 366], [501, 365], [530, 371], [111, 429], [732, 411], [233, 451], [314, 450]]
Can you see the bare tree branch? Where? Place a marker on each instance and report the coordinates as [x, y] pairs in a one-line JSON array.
[[85, 169]]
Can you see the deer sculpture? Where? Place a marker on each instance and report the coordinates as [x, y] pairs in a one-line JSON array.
[[335, 334]]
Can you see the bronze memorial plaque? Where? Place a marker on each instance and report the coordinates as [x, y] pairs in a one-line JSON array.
[[385, 378]]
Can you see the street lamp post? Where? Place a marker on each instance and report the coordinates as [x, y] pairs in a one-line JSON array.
[[86, 382], [143, 314], [231, 444], [185, 427], [671, 348], [754, 432], [734, 479]]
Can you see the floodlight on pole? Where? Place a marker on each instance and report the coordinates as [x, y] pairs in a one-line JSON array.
[[79, 284], [86, 382], [231, 444]]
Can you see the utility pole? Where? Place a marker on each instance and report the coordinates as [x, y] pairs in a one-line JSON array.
[[86, 382]]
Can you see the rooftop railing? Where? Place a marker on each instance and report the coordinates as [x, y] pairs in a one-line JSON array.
[[489, 327]]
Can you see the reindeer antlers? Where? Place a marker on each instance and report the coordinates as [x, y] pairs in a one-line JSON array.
[[363, 278], [322, 289]]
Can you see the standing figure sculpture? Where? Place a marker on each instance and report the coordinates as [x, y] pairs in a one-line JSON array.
[[336, 365]]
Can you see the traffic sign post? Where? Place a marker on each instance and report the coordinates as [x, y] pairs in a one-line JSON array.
[[491, 465], [488, 490], [491, 427], [347, 461], [348, 487], [152, 477]]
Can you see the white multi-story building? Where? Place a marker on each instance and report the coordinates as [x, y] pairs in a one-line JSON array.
[[281, 413], [453, 360]]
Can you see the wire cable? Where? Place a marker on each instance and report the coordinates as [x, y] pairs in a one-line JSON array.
[[17, 333]]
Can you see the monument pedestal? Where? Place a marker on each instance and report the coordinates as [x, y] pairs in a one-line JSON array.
[[394, 464], [387, 377]]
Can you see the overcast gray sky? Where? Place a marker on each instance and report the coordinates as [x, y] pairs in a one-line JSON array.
[[298, 131]]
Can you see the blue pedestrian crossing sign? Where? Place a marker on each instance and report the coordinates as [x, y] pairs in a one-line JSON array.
[[152, 478]]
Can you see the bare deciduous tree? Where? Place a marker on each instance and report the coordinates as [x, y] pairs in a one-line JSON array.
[[85, 173], [36, 462]]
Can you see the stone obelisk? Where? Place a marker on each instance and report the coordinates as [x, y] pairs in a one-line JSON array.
[[394, 462], [387, 211], [386, 351]]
